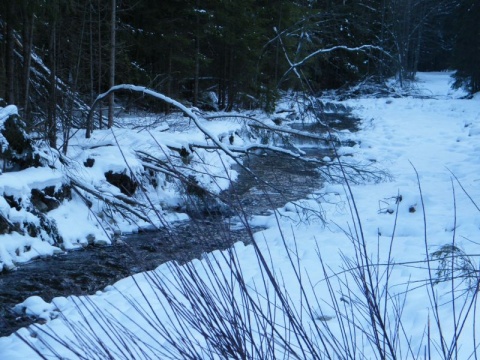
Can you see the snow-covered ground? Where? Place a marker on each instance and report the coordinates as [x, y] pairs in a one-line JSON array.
[[436, 135], [79, 223]]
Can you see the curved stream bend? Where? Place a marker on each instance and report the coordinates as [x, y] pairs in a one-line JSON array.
[[86, 271]]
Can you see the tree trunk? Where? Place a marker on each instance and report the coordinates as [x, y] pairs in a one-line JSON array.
[[197, 58], [10, 58], [92, 62], [75, 70], [111, 98], [418, 45], [169, 78], [223, 81], [51, 127], [231, 81], [100, 113], [27, 61], [383, 67]]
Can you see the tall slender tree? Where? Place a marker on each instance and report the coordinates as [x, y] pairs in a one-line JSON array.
[[113, 58], [28, 18], [10, 52]]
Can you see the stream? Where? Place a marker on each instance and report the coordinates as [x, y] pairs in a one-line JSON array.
[[86, 271]]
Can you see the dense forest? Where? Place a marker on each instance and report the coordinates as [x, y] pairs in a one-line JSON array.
[[57, 56]]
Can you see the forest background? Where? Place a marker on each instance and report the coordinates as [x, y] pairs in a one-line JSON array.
[[57, 56]]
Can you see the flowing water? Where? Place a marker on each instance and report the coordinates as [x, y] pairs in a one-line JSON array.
[[88, 270]]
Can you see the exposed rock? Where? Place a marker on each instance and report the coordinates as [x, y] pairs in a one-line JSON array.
[[63, 193], [277, 121], [14, 203], [6, 227], [121, 180], [48, 199], [39, 201], [101, 242], [89, 162], [47, 230], [90, 238], [16, 146], [32, 230]]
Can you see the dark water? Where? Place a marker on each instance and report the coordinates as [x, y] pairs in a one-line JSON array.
[[86, 271], [283, 179]]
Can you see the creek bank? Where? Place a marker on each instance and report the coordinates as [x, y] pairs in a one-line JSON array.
[[90, 269], [85, 271]]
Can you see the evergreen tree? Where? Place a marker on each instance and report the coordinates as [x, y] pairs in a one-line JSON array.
[[242, 50], [466, 53]]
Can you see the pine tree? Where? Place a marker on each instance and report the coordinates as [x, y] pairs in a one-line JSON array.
[[466, 53]]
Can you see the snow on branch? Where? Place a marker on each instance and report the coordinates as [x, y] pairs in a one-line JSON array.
[[328, 169], [7, 111], [168, 100], [293, 66], [255, 123], [280, 129], [118, 201]]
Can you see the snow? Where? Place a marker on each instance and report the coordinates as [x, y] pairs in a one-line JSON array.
[[35, 306], [19, 185], [8, 111], [438, 85], [22, 182], [435, 135], [115, 151]]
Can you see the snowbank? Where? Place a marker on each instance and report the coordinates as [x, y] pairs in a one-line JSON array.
[[63, 197]]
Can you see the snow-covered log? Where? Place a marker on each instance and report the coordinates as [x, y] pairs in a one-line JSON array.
[[187, 111]]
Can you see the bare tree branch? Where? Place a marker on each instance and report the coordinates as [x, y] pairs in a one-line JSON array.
[[168, 100], [119, 201]]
